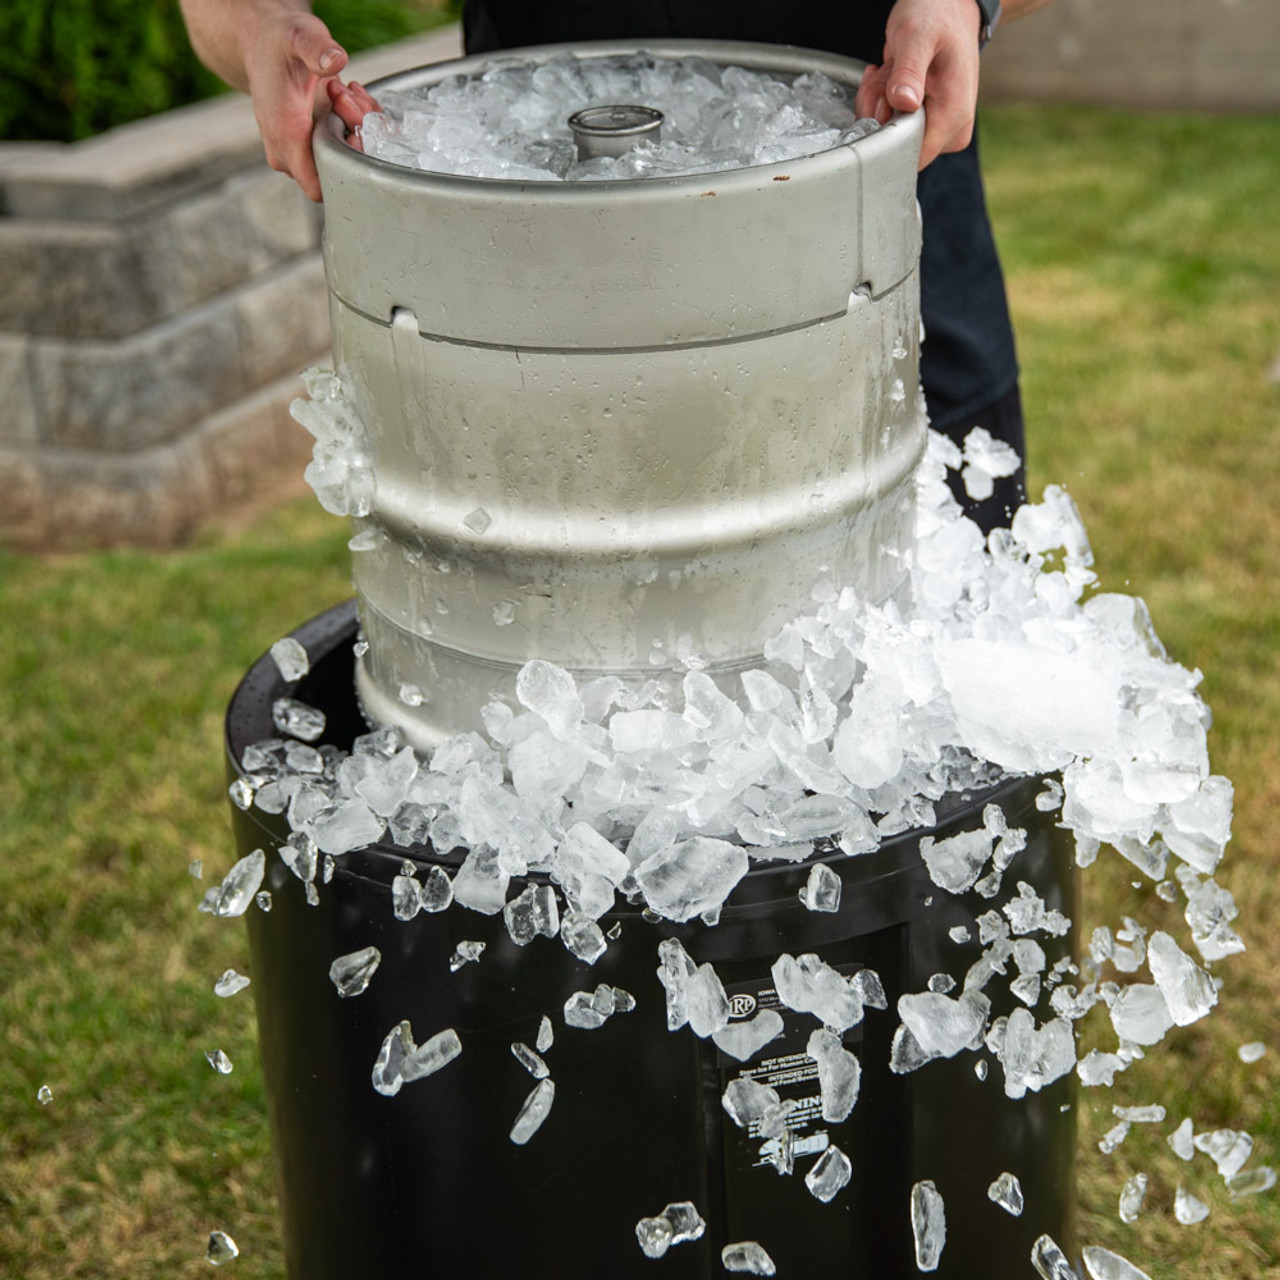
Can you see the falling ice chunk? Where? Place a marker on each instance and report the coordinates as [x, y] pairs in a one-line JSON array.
[[829, 1175], [1140, 1014], [1102, 1264], [44, 1095], [1050, 798], [654, 1236], [691, 876], [1251, 1182], [1252, 1052], [706, 1001], [1050, 1262], [1113, 1137], [588, 1010], [928, 1225], [809, 985], [536, 1108], [746, 1101], [546, 1035], [1132, 1197], [943, 1026], [677, 968], [582, 937], [297, 719], [291, 658], [686, 1223], [552, 693], [1188, 990], [956, 863], [1140, 1115], [1228, 1149], [748, 1257], [743, 1040], [839, 1075], [822, 890], [219, 1061], [1006, 1191], [313, 895], [230, 983], [300, 860], [478, 521], [241, 793], [351, 973], [1187, 1209], [1098, 1068], [263, 899], [531, 913], [238, 886], [530, 1061], [1182, 1140], [465, 953], [400, 1061], [195, 868], [959, 934], [222, 1248]]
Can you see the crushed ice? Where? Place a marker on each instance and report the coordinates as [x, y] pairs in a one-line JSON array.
[[512, 123]]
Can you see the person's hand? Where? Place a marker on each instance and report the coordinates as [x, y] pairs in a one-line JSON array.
[[290, 67], [351, 103], [930, 60]]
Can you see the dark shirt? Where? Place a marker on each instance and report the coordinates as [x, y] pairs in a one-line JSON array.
[[967, 362]]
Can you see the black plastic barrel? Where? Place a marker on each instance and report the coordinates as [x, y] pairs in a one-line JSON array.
[[428, 1184]]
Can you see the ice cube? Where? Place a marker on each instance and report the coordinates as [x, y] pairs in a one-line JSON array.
[[1006, 1191], [1188, 990], [808, 985], [582, 936], [839, 1075], [233, 895], [1227, 1148], [532, 1062], [536, 1108], [1251, 1182], [1113, 1137], [436, 891], [654, 1236], [406, 897], [1187, 1209], [480, 883], [928, 1225], [1182, 1140], [1252, 1052], [686, 1223], [552, 693], [706, 1003], [821, 891], [956, 863], [531, 913], [1152, 1114], [401, 1061], [351, 973], [219, 1061], [691, 876], [748, 1257], [829, 1175], [297, 719], [230, 983], [546, 1035], [1102, 1264], [743, 1040], [1141, 1015], [1050, 1262], [221, 1249], [746, 1101], [44, 1095], [943, 1026], [263, 899], [466, 952], [291, 659], [352, 825], [1132, 1196]]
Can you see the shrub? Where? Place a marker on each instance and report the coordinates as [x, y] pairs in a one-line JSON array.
[[72, 68]]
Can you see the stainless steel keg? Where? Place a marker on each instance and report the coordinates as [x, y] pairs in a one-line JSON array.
[[624, 426]]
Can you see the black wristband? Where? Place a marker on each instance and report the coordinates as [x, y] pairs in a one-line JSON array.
[[990, 18]]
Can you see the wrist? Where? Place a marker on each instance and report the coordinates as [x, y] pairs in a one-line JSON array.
[[990, 11]]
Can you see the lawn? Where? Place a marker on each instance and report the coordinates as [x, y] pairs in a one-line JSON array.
[[1144, 269]]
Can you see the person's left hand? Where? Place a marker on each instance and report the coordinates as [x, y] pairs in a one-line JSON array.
[[930, 60], [351, 103]]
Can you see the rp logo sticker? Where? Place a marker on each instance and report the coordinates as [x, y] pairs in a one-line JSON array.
[[742, 1005]]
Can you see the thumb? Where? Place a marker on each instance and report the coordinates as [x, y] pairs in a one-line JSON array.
[[316, 49], [906, 79]]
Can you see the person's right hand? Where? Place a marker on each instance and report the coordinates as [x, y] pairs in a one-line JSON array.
[[290, 68]]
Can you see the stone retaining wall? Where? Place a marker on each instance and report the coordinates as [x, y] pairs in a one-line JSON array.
[[160, 290]]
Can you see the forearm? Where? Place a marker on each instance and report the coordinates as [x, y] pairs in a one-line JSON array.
[[1011, 10], [223, 32]]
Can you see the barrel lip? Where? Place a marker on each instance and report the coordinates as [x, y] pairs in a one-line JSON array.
[[332, 151]]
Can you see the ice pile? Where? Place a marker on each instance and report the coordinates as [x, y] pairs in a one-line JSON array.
[[863, 717], [511, 122]]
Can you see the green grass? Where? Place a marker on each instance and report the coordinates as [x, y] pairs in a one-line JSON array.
[[1144, 269]]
